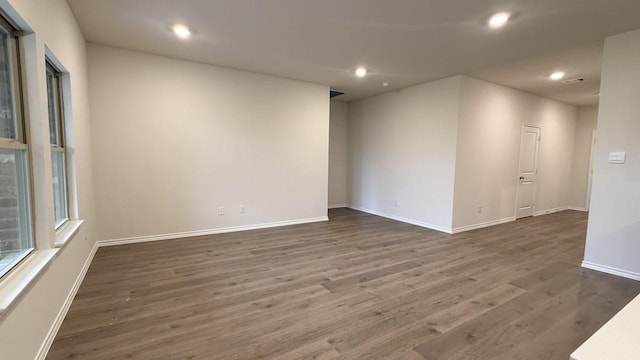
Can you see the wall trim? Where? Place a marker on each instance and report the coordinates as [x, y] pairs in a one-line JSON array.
[[402, 219], [53, 331], [611, 270], [578, 208], [185, 234], [336, 206], [550, 211], [460, 229]]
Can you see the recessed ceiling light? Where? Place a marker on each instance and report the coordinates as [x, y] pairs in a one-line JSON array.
[[385, 84], [499, 20], [556, 75], [361, 72], [182, 31]]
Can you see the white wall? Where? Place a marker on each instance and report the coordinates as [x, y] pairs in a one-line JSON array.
[[25, 327], [338, 154], [402, 153], [175, 140], [488, 145], [447, 153], [585, 126], [613, 234]]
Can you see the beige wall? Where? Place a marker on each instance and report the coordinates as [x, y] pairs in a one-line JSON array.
[[25, 328], [585, 126], [613, 240], [402, 153], [175, 140], [491, 117], [405, 145], [338, 154]]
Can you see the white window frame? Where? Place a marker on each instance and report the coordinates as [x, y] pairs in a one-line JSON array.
[[66, 231], [19, 141], [60, 129]]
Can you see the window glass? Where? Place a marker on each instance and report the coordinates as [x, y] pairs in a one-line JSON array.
[[15, 224], [7, 103], [59, 187], [52, 98]]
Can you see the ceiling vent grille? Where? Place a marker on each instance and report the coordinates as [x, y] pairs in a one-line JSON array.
[[573, 81], [334, 93]]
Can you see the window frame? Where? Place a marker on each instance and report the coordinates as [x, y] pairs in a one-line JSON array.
[[61, 139], [21, 136]]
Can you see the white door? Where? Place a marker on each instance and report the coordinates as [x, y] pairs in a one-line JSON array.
[[527, 171]]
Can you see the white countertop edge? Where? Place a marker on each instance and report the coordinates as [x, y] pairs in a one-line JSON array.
[[618, 339]]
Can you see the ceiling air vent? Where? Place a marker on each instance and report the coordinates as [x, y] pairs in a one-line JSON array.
[[334, 93], [573, 81]]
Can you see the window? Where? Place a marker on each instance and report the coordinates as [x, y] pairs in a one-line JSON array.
[[16, 239], [57, 139]]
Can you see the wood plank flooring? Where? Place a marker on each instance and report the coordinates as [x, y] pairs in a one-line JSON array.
[[356, 287]]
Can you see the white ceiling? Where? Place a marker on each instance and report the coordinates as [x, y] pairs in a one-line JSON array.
[[403, 42]]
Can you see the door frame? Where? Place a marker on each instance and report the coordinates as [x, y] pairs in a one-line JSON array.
[[587, 200], [535, 186]]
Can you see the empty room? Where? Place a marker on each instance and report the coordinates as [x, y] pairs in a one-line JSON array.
[[297, 179]]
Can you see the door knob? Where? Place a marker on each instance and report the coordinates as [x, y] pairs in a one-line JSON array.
[[521, 177]]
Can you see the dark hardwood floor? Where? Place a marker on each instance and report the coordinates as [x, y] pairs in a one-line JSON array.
[[356, 287]]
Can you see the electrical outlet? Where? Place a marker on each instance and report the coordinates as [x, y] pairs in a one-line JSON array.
[[221, 211], [243, 209]]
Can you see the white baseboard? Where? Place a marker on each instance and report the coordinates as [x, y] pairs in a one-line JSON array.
[[53, 331], [550, 211], [402, 219], [611, 270], [336, 206], [575, 208], [139, 239], [482, 225]]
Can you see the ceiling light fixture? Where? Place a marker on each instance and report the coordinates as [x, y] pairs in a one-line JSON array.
[[557, 75], [499, 20], [361, 72], [385, 84], [182, 31]]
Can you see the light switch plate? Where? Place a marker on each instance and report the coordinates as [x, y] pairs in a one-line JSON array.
[[617, 157]]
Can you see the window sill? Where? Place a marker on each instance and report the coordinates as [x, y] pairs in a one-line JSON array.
[[66, 232], [18, 281]]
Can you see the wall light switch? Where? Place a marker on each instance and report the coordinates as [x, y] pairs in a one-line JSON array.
[[617, 157]]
